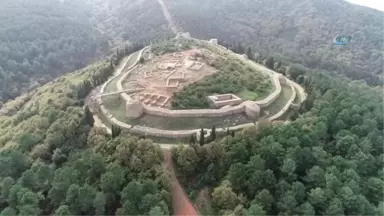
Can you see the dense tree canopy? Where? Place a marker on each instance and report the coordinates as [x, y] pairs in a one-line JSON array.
[[329, 161], [53, 162], [42, 39], [299, 31], [39, 40]]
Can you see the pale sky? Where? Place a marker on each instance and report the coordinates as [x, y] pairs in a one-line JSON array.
[[377, 4]]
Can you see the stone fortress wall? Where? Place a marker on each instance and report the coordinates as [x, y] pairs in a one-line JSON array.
[[143, 130], [158, 111]]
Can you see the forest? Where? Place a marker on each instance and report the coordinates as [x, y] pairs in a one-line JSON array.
[[33, 50], [42, 39], [53, 162], [132, 20], [327, 161], [298, 31]]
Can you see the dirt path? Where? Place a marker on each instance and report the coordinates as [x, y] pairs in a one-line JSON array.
[[182, 206], [168, 16]]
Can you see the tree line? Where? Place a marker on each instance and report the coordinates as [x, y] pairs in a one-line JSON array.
[[328, 161], [297, 31], [54, 162], [41, 40]]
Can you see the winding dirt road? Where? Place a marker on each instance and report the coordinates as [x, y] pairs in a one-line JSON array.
[[182, 206], [168, 16]]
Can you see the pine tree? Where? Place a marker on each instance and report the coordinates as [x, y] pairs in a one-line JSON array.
[[116, 130], [88, 116], [202, 141], [269, 63], [249, 53], [193, 139], [213, 134]]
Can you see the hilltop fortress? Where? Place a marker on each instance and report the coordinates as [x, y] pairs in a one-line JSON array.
[[147, 89]]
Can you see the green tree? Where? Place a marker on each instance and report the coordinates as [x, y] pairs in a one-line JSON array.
[[6, 186], [58, 157], [111, 182], [264, 199], [201, 140], [8, 211], [192, 139], [156, 211], [29, 180], [374, 190], [306, 209], [315, 177], [63, 210], [287, 204], [64, 177], [99, 203], [238, 175], [27, 141], [72, 198], [288, 168], [87, 194], [254, 209], [88, 116], [213, 134], [116, 130], [317, 198], [29, 210], [29, 198], [335, 207], [223, 197], [380, 209], [269, 62], [298, 191], [250, 53]]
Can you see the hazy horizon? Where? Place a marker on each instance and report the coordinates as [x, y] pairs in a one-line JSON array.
[[376, 4]]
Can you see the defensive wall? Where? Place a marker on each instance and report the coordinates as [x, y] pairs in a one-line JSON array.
[[287, 105], [157, 111]]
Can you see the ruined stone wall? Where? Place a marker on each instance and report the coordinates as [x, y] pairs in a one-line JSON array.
[[141, 130], [119, 83], [274, 95], [287, 106], [219, 101], [103, 110], [157, 111], [119, 69], [299, 90]]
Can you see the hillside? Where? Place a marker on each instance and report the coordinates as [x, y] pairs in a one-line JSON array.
[[299, 31], [325, 158], [52, 162], [328, 161], [132, 20], [40, 40]]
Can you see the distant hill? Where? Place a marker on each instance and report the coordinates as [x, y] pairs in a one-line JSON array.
[[42, 39], [296, 30], [39, 40]]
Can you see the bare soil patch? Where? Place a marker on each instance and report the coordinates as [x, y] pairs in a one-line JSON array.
[[181, 204], [162, 76]]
